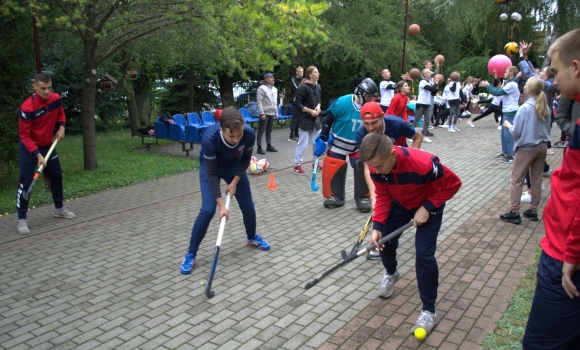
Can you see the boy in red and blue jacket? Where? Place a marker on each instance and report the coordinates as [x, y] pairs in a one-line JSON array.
[[410, 184], [39, 115], [557, 296]]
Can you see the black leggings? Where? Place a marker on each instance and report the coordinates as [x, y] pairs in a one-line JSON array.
[[441, 116], [491, 108]]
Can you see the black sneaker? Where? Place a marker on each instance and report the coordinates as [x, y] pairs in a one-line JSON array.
[[532, 215], [430, 134], [500, 156], [511, 217], [270, 148], [260, 150], [508, 159]]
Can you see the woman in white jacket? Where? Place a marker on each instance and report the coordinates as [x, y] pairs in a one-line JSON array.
[[531, 134]]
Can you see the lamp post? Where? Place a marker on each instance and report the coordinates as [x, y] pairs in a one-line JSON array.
[[516, 17]]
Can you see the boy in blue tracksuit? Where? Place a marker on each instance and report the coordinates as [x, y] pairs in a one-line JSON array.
[[226, 151]]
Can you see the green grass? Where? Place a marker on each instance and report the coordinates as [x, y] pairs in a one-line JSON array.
[[512, 324], [120, 164]]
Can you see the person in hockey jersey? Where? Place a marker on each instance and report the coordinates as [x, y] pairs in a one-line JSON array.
[[342, 120], [410, 184]]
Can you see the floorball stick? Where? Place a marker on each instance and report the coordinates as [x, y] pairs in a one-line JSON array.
[[361, 252], [216, 252], [361, 237], [313, 186], [26, 194]]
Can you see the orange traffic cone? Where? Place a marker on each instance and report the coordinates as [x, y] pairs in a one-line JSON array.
[[272, 182]]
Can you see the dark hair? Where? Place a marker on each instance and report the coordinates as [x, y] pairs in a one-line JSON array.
[[42, 77], [373, 145], [400, 85], [550, 72], [231, 118]]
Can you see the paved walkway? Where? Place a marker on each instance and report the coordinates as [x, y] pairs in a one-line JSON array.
[[110, 278]]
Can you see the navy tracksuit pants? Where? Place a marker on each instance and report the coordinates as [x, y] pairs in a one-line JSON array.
[[554, 321], [208, 205], [425, 245], [53, 173]]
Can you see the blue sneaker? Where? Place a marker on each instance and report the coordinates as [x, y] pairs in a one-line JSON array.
[[187, 264], [259, 242]]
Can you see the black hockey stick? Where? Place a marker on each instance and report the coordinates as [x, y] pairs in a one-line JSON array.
[[361, 252], [26, 194], [208, 292], [360, 240]]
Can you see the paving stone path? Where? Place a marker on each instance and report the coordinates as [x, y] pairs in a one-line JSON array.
[[110, 278]]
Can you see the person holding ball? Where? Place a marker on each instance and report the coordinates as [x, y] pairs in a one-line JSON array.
[[410, 184]]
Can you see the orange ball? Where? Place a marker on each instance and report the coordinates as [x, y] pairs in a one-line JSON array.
[[415, 73], [440, 58], [454, 76], [414, 29], [440, 77]]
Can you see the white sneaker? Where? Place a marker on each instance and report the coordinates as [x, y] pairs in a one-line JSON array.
[[550, 151], [455, 128], [23, 227], [388, 284], [451, 130], [426, 320], [547, 173], [426, 139], [499, 127], [470, 124], [444, 125], [64, 213], [431, 127], [526, 197], [543, 187]]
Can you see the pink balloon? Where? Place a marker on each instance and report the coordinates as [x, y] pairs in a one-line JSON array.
[[499, 62]]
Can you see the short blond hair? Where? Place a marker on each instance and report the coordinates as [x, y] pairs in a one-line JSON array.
[[567, 47]]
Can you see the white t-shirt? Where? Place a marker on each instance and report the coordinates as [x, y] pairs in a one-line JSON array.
[[386, 94], [424, 97], [510, 101], [467, 91], [453, 95]]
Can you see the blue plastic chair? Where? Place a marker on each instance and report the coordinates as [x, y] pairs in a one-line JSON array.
[[160, 129], [180, 120], [247, 117], [207, 118], [176, 133], [195, 122], [193, 134]]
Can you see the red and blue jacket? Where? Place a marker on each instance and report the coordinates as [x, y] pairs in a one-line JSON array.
[[418, 179], [38, 118], [562, 213]]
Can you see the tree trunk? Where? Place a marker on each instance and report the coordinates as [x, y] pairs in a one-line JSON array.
[[227, 90], [142, 100], [132, 109], [191, 87], [88, 102]]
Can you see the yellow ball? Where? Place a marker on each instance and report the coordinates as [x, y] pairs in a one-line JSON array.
[[511, 49], [420, 334]]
